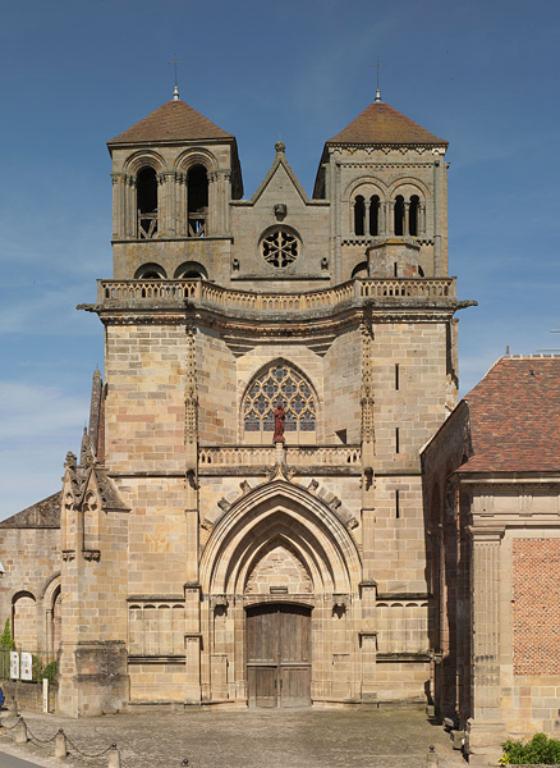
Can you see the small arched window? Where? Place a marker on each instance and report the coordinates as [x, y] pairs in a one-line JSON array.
[[191, 270], [374, 215], [24, 622], [150, 272], [413, 215], [359, 215], [197, 201], [279, 384], [147, 203], [399, 215]]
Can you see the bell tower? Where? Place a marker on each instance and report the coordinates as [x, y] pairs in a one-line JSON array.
[[386, 178], [174, 174]]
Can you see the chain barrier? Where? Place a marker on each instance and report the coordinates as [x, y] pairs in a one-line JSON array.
[[37, 739], [11, 727], [86, 754]]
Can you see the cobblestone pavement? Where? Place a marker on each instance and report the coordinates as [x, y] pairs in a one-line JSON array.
[[385, 738]]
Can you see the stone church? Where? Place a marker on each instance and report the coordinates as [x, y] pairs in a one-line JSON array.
[[203, 550]]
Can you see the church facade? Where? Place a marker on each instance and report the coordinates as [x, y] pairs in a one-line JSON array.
[[204, 550]]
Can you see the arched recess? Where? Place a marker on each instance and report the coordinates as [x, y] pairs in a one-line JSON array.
[[196, 201], [150, 271], [280, 511], [24, 621], [189, 270]]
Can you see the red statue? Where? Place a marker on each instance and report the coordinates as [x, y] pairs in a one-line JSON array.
[[279, 419]]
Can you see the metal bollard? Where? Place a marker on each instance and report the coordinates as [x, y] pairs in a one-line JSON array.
[[20, 732], [432, 758], [113, 757], [60, 749]]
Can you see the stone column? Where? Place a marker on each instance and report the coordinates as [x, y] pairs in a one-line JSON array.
[[406, 222], [180, 209], [130, 212], [118, 187], [193, 645], [214, 204], [166, 204], [485, 729]]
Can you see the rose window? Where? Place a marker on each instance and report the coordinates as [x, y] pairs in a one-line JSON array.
[[279, 384], [280, 248]]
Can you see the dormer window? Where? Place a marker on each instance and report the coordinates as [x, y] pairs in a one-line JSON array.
[[147, 203]]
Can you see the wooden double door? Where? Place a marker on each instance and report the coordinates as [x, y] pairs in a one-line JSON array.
[[279, 655]]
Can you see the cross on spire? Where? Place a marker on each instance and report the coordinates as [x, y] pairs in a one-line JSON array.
[[175, 63], [378, 87]]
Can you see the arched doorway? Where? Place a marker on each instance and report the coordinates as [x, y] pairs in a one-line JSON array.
[[279, 655]]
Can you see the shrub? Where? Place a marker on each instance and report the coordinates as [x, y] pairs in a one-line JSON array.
[[6, 640], [50, 671], [539, 750]]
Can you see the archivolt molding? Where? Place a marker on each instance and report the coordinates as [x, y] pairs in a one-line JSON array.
[[49, 588], [195, 156], [373, 186], [408, 182], [143, 158], [285, 511]]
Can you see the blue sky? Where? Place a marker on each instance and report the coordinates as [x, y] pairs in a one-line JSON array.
[[72, 74]]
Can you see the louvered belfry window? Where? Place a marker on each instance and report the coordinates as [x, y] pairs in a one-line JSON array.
[[279, 384]]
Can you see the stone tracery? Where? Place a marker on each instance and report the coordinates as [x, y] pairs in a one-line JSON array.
[[279, 384]]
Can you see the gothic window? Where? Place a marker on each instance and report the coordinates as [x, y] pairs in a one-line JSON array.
[[399, 215], [359, 215], [147, 203], [413, 214], [279, 384], [197, 201], [374, 215], [150, 272], [280, 247]]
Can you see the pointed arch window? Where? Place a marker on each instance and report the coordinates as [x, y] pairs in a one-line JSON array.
[[279, 383]]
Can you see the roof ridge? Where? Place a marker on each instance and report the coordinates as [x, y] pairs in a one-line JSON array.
[[174, 120], [381, 123]]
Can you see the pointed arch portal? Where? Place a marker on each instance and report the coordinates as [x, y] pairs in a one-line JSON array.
[[275, 570]]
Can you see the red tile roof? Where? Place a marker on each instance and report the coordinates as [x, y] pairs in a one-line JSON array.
[[173, 121], [380, 123], [515, 417]]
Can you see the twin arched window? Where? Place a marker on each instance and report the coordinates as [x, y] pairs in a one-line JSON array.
[[406, 215], [196, 213], [276, 384], [366, 215]]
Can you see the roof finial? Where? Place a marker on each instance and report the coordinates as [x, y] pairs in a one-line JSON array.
[[176, 95], [378, 88]]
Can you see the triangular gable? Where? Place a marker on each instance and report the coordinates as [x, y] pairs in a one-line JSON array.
[[280, 165]]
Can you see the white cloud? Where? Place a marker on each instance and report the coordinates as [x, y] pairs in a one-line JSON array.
[[30, 411]]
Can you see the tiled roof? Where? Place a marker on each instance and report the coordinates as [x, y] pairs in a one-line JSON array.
[[380, 123], [514, 415], [42, 514], [173, 121]]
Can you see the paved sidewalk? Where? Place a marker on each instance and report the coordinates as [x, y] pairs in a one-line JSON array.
[[307, 738]]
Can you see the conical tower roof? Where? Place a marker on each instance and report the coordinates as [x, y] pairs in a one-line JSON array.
[[173, 121], [380, 123]]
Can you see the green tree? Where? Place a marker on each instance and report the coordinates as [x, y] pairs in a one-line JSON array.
[[6, 640]]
